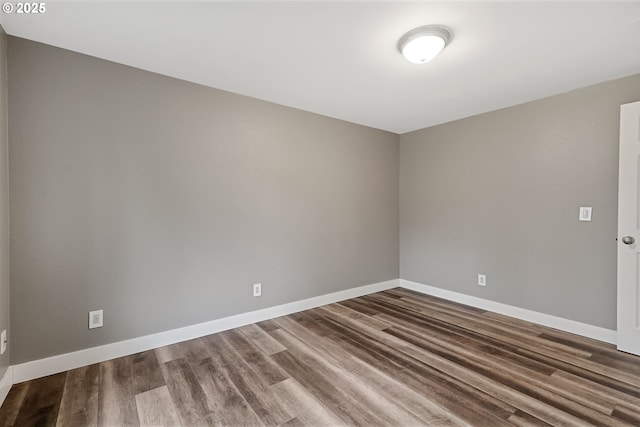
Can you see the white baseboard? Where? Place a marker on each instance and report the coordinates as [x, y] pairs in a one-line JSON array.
[[5, 384], [64, 362], [589, 331]]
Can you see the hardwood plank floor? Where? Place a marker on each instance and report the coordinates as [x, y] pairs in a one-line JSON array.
[[79, 404], [155, 408], [394, 358], [116, 400]]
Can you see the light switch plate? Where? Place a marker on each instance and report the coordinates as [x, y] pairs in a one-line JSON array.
[[585, 213], [3, 342]]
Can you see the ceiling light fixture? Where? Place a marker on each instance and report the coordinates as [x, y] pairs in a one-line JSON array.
[[422, 44]]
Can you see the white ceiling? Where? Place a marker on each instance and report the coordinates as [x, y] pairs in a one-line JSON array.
[[340, 59]]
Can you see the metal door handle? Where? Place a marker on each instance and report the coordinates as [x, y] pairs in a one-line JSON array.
[[628, 240]]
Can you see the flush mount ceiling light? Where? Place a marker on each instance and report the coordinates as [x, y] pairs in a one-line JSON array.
[[422, 44]]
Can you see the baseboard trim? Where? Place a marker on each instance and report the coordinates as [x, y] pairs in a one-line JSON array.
[[64, 362], [5, 384], [578, 328]]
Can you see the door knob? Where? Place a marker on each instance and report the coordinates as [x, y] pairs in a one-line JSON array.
[[628, 240]]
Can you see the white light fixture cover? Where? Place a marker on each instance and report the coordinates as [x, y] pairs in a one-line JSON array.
[[422, 44]]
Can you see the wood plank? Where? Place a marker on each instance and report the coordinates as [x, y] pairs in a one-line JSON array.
[[313, 321], [194, 351], [569, 365], [543, 347], [522, 325], [261, 339], [267, 325], [408, 294], [582, 404], [352, 390], [324, 391], [630, 415], [557, 411], [361, 306], [169, 353], [228, 406], [298, 400], [572, 381], [255, 390], [116, 405], [79, 406], [512, 370], [393, 390], [459, 400], [484, 326], [13, 402], [294, 422], [478, 321], [186, 393], [462, 337], [41, 403], [494, 388], [575, 341], [357, 316], [147, 374], [262, 365], [155, 408], [617, 362], [522, 419]]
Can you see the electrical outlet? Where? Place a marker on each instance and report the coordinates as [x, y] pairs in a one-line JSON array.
[[482, 280], [3, 342], [257, 289], [95, 319]]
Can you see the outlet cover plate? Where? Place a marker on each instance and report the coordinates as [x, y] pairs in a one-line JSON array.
[[95, 319], [482, 280], [257, 289]]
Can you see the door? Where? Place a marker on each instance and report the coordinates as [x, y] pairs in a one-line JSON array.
[[629, 230]]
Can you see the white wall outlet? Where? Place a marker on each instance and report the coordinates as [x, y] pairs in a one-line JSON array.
[[585, 213], [482, 280], [95, 319], [257, 289], [3, 342]]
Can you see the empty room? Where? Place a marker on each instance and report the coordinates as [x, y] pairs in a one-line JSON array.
[[320, 213]]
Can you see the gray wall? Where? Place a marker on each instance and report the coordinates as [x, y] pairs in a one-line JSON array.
[[499, 193], [4, 202], [162, 202]]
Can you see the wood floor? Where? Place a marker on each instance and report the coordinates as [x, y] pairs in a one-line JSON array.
[[395, 358]]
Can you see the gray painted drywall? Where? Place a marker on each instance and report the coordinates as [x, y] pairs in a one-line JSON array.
[[4, 203], [162, 202], [499, 194]]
